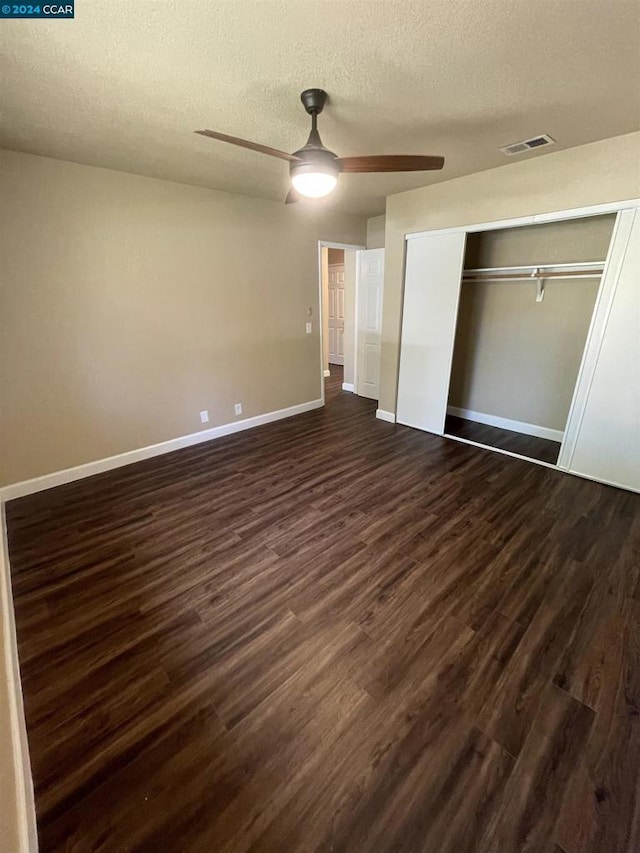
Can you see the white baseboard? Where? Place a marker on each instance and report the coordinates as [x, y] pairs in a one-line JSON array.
[[506, 423], [69, 475], [390, 417], [25, 817], [349, 386], [327, 373]]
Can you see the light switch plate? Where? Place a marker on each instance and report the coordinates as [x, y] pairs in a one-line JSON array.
[[309, 328]]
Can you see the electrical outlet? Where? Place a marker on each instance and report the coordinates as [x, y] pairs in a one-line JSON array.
[[204, 416], [309, 328], [238, 408]]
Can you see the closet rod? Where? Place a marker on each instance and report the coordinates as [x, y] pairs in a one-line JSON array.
[[581, 269], [530, 276]]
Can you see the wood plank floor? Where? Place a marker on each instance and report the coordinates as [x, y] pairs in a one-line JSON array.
[[505, 439], [332, 634]]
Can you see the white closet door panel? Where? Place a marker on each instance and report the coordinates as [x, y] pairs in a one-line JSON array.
[[431, 292], [607, 446], [602, 308]]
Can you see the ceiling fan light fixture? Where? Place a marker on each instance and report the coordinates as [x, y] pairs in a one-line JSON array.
[[314, 180], [314, 169]]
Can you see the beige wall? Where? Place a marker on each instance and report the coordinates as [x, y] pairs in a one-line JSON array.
[[590, 174], [129, 304], [570, 241], [514, 357], [375, 232]]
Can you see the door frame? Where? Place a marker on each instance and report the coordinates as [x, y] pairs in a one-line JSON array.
[[532, 219], [329, 244]]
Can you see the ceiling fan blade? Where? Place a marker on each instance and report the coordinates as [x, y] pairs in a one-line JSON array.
[[245, 143], [292, 197], [390, 163]]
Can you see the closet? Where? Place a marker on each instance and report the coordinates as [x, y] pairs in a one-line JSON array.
[[526, 303], [524, 337]]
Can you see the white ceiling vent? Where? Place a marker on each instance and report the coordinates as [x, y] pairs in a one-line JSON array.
[[528, 144]]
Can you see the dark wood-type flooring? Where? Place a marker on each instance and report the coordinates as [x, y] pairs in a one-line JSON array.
[[332, 634], [505, 439]]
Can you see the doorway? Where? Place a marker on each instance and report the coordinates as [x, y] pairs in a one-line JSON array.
[[335, 307], [337, 295], [351, 291]]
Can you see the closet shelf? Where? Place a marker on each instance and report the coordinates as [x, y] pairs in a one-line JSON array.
[[593, 269]]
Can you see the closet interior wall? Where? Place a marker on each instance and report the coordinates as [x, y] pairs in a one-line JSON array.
[[517, 360]]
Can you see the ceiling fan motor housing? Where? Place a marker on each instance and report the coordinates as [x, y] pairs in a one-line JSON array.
[[314, 100], [314, 159]]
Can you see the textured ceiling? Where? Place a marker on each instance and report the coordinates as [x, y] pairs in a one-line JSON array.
[[124, 85]]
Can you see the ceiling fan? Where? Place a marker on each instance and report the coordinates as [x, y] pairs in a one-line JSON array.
[[314, 169]]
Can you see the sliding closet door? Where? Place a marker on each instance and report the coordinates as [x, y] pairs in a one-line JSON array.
[[431, 291], [603, 433]]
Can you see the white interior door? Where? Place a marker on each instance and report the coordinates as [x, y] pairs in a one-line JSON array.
[[335, 310], [431, 292], [602, 440], [369, 322]]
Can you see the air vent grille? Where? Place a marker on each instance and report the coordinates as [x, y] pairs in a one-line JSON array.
[[527, 144]]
